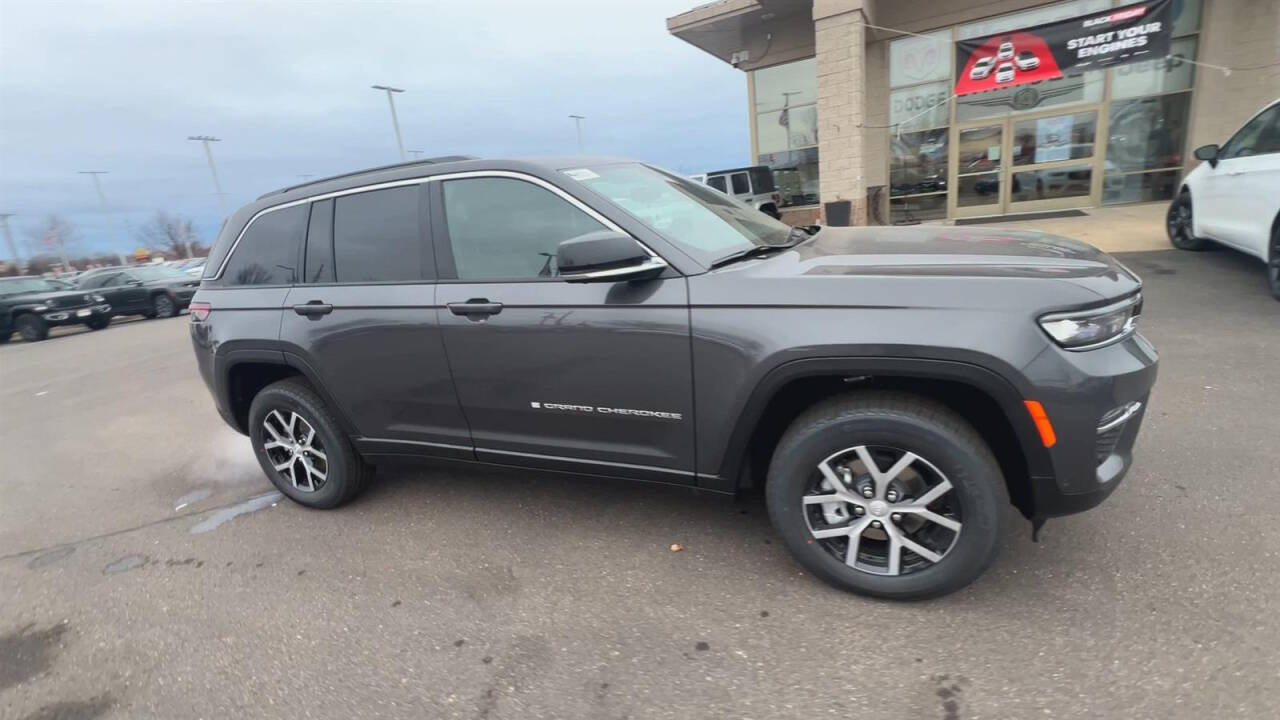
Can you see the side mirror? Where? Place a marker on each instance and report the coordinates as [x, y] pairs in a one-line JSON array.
[[1208, 153], [606, 256]]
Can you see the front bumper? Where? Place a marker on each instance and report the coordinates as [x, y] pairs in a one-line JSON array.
[[75, 316], [1096, 400]]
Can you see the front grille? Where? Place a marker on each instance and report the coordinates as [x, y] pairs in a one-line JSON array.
[[70, 301]]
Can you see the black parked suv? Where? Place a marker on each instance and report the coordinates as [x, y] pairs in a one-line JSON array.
[[148, 290], [30, 306], [892, 389]]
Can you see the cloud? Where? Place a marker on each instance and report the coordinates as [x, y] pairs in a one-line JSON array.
[[119, 87]]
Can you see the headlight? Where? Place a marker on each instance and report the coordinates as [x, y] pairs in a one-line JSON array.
[[1088, 329], [98, 298]]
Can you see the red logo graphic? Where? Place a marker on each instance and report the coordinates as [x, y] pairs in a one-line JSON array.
[[1005, 61]]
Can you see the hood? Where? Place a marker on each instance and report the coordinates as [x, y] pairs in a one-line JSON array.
[[954, 251], [54, 298], [933, 266]]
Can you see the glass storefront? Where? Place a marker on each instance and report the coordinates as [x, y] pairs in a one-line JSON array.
[[785, 118], [1106, 136]]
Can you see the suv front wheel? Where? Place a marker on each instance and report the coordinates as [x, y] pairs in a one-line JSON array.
[[887, 494], [302, 448]]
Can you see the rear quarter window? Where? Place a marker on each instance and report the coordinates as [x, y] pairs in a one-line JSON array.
[[268, 251]]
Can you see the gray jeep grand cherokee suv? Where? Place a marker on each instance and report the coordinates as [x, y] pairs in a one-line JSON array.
[[892, 389]]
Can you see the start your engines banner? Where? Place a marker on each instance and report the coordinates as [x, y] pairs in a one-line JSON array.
[[1110, 37]]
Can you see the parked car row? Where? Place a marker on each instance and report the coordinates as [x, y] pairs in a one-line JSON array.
[[30, 306]]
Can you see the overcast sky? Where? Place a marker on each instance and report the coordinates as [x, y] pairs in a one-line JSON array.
[[119, 86]]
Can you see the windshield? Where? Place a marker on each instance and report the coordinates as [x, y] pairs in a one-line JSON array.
[[22, 286], [147, 273], [700, 221]]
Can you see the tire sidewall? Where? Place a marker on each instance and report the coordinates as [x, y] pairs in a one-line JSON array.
[[159, 311], [794, 464], [39, 330], [341, 472]]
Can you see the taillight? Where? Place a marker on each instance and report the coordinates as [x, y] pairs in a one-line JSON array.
[[200, 311]]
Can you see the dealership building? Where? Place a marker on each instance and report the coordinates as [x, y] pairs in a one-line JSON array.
[[852, 105]]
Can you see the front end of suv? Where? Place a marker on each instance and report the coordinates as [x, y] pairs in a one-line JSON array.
[[1092, 385]]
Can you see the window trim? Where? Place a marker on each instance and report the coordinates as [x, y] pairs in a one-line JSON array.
[[598, 217]]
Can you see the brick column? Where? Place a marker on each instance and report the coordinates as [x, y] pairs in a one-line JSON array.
[[840, 49]]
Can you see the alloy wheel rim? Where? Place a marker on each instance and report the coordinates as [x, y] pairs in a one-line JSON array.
[[893, 521], [294, 450], [1180, 222], [164, 305]]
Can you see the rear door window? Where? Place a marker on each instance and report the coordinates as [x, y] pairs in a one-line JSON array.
[[377, 236], [267, 253], [762, 180], [740, 184]]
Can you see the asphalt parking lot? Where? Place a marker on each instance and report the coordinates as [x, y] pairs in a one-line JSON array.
[[147, 571]]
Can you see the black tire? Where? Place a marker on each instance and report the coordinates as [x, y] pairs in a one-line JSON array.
[[346, 471], [1178, 225], [163, 306], [891, 420], [32, 328], [1273, 260], [99, 323]]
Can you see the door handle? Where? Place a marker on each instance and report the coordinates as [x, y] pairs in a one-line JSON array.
[[475, 306], [315, 308]]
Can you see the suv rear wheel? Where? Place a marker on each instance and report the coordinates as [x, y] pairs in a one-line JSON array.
[[162, 306], [887, 494], [302, 448]]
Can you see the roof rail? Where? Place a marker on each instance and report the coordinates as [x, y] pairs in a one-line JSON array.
[[410, 163]]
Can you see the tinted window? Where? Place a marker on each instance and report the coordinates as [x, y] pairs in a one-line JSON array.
[[505, 228], [718, 183], [97, 281], [762, 179], [268, 251], [319, 262], [376, 236], [740, 184], [1260, 136]]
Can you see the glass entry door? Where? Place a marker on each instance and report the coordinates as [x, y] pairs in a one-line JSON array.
[[1026, 163]]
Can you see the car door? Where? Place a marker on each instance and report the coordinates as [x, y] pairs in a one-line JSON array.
[[1241, 194], [591, 377], [363, 320], [123, 297]]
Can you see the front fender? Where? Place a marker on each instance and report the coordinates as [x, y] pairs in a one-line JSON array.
[[999, 387]]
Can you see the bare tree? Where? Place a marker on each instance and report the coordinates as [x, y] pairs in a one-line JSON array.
[[170, 234], [54, 236]]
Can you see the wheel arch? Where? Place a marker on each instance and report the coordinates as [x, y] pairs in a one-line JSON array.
[[245, 372], [983, 398]]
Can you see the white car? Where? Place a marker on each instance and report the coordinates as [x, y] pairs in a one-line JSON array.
[[1233, 197], [982, 68], [1004, 73], [1027, 60], [1006, 51]]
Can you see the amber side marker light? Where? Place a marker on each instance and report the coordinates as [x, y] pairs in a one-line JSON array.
[[1041, 419], [199, 311]]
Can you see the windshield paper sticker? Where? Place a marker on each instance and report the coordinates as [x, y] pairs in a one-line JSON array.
[[580, 174]]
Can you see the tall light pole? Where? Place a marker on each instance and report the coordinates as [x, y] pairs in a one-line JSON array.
[[97, 186], [395, 122], [217, 186], [8, 238], [577, 124]]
